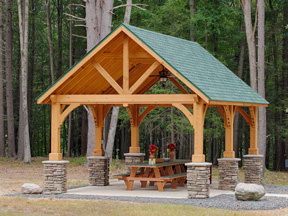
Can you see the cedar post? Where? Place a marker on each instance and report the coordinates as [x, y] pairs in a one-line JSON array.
[[199, 116], [55, 154], [253, 131], [97, 111], [228, 124], [133, 111]]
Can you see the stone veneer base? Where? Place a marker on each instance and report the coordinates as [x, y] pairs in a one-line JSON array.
[[133, 158], [98, 170], [228, 173], [55, 177], [253, 168], [198, 180]]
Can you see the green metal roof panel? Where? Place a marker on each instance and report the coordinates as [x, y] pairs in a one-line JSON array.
[[199, 67]]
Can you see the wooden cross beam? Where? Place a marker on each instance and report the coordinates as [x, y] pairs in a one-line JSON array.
[[151, 99]]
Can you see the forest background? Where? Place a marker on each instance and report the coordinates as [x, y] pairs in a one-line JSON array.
[[57, 40]]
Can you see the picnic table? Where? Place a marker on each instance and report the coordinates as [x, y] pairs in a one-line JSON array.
[[161, 173]]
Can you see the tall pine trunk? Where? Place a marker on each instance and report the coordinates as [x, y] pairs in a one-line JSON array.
[[236, 118], [8, 70], [50, 42], [2, 129], [251, 43], [261, 80], [23, 33]]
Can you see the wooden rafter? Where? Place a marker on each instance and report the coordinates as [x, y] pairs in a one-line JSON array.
[[107, 76], [178, 85], [145, 75]]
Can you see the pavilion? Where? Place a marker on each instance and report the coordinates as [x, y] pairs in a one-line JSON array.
[[121, 69]]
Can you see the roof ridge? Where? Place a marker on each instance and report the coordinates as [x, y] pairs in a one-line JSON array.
[[142, 29]]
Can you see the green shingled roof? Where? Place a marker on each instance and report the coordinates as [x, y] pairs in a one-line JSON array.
[[199, 67]]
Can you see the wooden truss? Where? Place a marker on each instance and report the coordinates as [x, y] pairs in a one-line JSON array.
[[118, 73]]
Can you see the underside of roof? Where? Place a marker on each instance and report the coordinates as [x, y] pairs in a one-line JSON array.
[[195, 65]]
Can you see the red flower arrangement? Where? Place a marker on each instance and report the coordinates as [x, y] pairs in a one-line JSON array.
[[171, 147], [153, 149]]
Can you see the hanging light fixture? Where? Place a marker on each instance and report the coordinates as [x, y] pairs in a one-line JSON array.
[[163, 77]]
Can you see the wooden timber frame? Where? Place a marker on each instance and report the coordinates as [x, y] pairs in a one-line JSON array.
[[117, 73]]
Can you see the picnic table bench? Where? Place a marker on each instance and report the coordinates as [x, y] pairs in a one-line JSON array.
[[173, 172]]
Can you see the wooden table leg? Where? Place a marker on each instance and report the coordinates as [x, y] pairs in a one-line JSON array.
[[160, 186], [143, 184], [129, 185], [182, 182], [174, 183]]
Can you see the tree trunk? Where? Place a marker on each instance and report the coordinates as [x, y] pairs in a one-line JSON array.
[[192, 15], [70, 122], [8, 70], [59, 57], [261, 80], [285, 71], [236, 118], [31, 74], [128, 12], [2, 129], [251, 43], [50, 41], [23, 32]]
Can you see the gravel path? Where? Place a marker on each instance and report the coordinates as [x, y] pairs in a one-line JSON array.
[[276, 189], [220, 202]]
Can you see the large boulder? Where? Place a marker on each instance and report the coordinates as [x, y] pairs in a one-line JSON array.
[[31, 189], [245, 191]]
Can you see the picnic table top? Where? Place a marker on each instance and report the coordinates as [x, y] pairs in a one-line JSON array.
[[146, 164]]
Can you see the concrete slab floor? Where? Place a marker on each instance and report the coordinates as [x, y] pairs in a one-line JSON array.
[[118, 188]]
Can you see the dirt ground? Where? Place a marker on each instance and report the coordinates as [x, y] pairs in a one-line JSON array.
[[13, 174]]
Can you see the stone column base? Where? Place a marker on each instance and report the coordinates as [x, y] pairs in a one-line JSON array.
[[133, 158], [55, 173], [198, 180], [253, 168], [98, 170], [228, 173]]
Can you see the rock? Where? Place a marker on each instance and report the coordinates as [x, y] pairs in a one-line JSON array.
[[249, 191], [31, 189]]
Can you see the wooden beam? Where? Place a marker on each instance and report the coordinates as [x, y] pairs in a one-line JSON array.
[[80, 65], [178, 85], [125, 65], [66, 112], [144, 76], [129, 99], [186, 112], [55, 132], [244, 114], [253, 131], [132, 55], [198, 113], [133, 111], [144, 113], [107, 76], [147, 86], [228, 124]]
